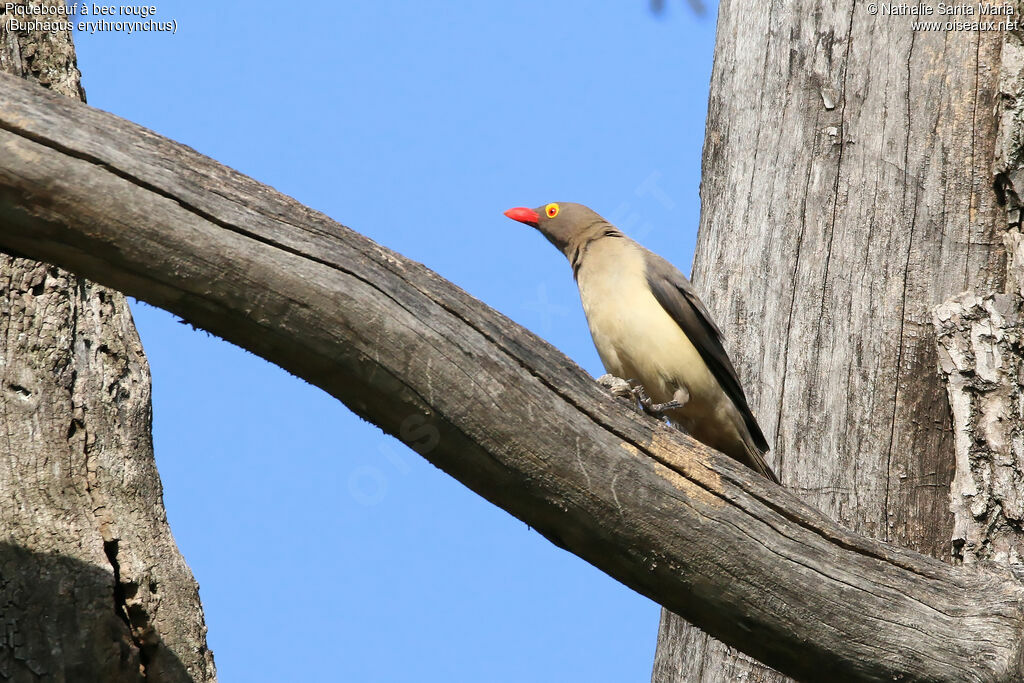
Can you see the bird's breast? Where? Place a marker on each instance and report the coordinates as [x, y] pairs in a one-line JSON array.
[[635, 336]]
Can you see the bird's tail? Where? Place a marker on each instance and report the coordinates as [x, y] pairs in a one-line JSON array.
[[756, 461]]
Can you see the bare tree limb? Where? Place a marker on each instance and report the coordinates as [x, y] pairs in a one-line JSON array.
[[491, 404]]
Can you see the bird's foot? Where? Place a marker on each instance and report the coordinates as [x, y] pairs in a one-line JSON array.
[[616, 386], [620, 389], [652, 408], [637, 397]]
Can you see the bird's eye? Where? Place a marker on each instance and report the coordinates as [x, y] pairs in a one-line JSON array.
[[551, 210]]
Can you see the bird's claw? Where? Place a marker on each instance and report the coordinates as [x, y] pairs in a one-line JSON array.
[[620, 389], [659, 409], [616, 386], [650, 407], [631, 389]]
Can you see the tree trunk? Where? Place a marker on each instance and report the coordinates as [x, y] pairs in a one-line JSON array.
[[92, 586], [847, 192]]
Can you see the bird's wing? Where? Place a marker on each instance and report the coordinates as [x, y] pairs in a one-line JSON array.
[[675, 294]]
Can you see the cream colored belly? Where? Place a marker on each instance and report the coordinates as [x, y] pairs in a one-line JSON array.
[[635, 337]]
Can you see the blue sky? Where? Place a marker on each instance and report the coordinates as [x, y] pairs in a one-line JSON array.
[[326, 551]]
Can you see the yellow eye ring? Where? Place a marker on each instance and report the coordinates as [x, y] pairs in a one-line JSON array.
[[551, 210]]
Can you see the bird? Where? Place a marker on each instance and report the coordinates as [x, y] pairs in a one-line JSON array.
[[650, 327]]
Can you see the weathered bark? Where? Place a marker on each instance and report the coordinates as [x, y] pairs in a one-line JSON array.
[[92, 586], [492, 405], [847, 192], [981, 358]]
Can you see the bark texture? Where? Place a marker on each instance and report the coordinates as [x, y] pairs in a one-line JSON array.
[[847, 192], [980, 355], [92, 586], [981, 358], [492, 405]]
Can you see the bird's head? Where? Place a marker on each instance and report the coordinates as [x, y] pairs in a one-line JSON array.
[[561, 222]]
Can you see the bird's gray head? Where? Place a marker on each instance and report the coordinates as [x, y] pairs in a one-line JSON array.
[[563, 223]]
